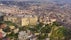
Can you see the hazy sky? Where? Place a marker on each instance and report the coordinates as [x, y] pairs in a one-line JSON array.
[[24, 0], [32, 0], [19, 0], [67, 1]]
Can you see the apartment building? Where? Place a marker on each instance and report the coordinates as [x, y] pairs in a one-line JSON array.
[[22, 20]]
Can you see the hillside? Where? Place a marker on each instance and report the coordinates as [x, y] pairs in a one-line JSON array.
[[60, 11]]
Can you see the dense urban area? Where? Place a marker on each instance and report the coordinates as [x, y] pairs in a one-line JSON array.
[[34, 20]]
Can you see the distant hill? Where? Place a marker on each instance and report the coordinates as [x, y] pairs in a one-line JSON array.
[[18, 3]]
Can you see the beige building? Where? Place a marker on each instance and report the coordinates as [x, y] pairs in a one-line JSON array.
[[9, 18], [22, 20], [29, 20], [47, 20]]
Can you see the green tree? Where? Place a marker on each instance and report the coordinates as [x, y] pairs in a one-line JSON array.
[[58, 32]]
